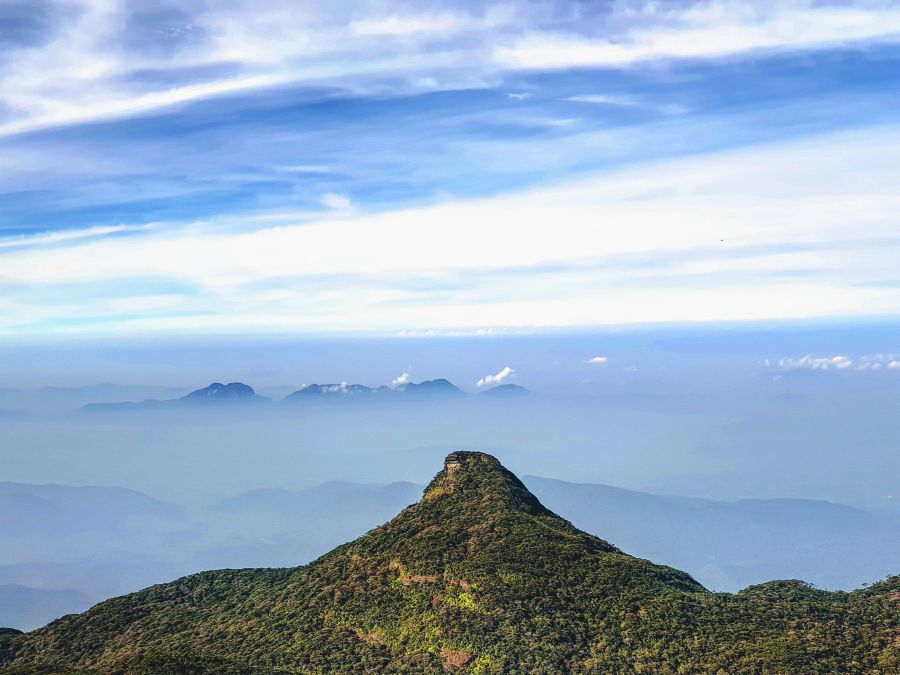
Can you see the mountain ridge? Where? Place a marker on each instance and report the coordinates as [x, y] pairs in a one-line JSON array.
[[238, 393], [478, 576], [218, 392]]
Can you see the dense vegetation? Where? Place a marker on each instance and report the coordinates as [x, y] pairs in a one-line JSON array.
[[477, 577]]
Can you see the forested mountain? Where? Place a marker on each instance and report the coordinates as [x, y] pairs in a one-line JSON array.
[[478, 576]]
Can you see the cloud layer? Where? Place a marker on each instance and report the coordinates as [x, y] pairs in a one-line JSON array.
[[445, 168], [70, 62], [722, 237]]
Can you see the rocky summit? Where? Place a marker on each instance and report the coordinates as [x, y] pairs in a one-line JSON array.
[[476, 577]]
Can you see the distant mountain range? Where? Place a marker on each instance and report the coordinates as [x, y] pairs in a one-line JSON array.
[[49, 510], [217, 394], [478, 576], [60, 399], [430, 388], [730, 545]]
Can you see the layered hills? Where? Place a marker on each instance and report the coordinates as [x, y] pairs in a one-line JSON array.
[[478, 576]]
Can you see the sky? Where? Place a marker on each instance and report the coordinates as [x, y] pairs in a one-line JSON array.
[[422, 169], [673, 222]]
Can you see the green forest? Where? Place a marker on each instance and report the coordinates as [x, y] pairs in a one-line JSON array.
[[477, 577]]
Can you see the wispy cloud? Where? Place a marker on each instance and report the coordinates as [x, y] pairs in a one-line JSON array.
[[408, 25], [82, 67], [818, 362], [598, 359], [840, 362], [67, 236], [703, 30], [306, 168], [336, 201], [278, 156], [603, 99], [495, 379], [627, 101], [638, 245]]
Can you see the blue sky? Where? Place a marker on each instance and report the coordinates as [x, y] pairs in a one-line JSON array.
[[436, 168]]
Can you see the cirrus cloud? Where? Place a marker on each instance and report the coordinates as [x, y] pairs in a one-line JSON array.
[[630, 246], [85, 66]]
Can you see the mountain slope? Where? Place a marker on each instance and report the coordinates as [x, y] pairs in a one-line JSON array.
[[477, 576]]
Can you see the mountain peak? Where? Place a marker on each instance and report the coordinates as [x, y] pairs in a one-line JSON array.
[[436, 388], [219, 392], [478, 477], [474, 512], [505, 391], [455, 460]]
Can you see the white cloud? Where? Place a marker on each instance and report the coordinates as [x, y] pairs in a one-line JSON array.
[[627, 102], [82, 72], [407, 25], [413, 333], [598, 359], [817, 362], [601, 99], [497, 378], [306, 168], [477, 332], [62, 236], [792, 230], [336, 201], [400, 380], [468, 332], [873, 362], [559, 122], [710, 29]]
